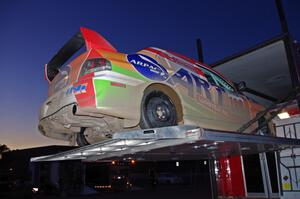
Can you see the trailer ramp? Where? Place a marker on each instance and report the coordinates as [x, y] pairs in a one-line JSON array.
[[183, 142]]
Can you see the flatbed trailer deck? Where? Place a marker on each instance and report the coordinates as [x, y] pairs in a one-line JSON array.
[[183, 142]]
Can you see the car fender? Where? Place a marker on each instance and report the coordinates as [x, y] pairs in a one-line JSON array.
[[169, 91]]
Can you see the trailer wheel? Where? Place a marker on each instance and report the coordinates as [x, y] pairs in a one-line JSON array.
[[157, 110]]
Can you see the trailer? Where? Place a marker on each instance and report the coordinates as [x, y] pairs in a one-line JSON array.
[[174, 143]]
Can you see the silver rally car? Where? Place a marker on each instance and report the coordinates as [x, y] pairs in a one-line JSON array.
[[102, 91]]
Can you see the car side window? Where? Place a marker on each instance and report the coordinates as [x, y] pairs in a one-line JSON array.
[[215, 79], [222, 83], [208, 76]]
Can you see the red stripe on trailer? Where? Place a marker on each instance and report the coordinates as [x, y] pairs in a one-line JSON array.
[[229, 177]]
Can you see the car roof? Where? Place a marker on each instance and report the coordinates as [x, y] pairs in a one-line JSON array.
[[167, 53]]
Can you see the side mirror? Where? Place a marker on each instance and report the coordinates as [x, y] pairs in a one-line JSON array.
[[241, 86]]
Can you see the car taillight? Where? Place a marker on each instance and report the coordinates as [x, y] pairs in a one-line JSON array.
[[95, 65]]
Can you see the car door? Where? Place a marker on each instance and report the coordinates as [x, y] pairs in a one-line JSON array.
[[229, 108]]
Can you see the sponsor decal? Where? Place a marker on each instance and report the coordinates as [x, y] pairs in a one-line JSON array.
[[148, 67], [203, 92], [79, 89]]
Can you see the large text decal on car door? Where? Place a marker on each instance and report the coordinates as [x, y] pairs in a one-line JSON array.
[[183, 78], [201, 83], [190, 81], [205, 91]]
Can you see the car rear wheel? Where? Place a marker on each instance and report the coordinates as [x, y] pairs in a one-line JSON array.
[[157, 110], [90, 135]]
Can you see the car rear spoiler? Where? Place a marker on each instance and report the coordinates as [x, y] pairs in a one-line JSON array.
[[85, 36]]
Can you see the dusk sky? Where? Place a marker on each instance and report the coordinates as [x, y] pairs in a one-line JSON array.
[[32, 31]]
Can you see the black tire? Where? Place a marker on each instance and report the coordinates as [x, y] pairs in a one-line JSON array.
[[80, 139], [157, 110]]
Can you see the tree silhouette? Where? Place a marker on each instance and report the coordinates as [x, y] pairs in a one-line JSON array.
[[3, 148]]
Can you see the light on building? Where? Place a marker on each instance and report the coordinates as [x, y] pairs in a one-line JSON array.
[[283, 115], [177, 164], [132, 162]]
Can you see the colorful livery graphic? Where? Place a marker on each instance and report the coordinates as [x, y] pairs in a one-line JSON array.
[[102, 91]]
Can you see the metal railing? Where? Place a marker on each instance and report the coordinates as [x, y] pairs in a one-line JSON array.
[[294, 94]]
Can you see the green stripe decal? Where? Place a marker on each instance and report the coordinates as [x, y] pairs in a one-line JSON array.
[[101, 87], [129, 73]]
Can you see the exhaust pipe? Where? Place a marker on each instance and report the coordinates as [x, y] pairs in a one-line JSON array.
[[86, 111]]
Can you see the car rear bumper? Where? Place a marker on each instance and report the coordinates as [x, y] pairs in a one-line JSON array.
[[65, 122]]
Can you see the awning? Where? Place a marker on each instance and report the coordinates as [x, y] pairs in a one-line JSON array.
[[265, 68]]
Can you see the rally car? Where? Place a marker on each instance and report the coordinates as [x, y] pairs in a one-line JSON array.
[[101, 91]]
